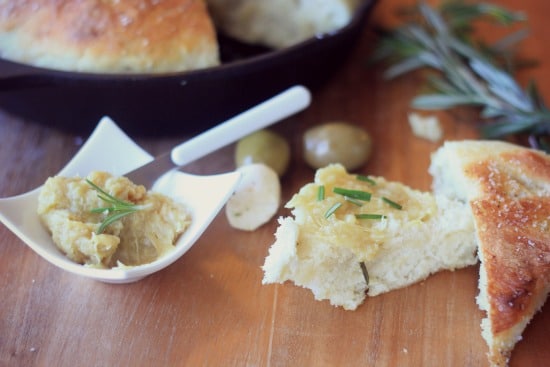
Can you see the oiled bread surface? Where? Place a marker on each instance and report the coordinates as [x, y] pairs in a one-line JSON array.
[[508, 188], [143, 36]]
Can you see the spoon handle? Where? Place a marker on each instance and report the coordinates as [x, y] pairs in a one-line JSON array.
[[266, 113]]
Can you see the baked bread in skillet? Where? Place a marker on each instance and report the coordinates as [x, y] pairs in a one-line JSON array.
[[508, 188], [125, 36], [280, 23]]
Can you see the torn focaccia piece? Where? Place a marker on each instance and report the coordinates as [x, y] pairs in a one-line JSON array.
[[508, 188], [352, 236]]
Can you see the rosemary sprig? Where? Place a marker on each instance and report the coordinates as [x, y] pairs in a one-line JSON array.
[[118, 208], [470, 73]]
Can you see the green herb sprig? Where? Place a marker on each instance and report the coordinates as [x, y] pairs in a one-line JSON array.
[[470, 73], [353, 194], [369, 216], [321, 193], [118, 208], [365, 272], [333, 209]]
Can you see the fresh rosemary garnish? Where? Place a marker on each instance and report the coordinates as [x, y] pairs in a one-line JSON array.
[[366, 179], [369, 216], [392, 203], [353, 201], [118, 208], [365, 272], [471, 73], [321, 193], [354, 194], [332, 209]]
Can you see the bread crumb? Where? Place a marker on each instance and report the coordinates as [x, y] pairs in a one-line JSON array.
[[426, 127]]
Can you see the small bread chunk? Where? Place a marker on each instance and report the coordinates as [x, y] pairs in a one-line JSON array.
[[426, 127], [411, 235]]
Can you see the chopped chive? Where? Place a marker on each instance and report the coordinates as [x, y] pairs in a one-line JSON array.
[[366, 179], [392, 203], [353, 201], [370, 216], [332, 209], [354, 194], [321, 193], [365, 272]]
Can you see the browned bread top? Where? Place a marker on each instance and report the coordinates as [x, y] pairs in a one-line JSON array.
[[512, 218], [508, 188], [108, 36], [513, 173], [516, 257]]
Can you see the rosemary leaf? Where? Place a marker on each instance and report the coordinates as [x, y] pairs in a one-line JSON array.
[[369, 216], [113, 218], [439, 101], [321, 193], [354, 194], [353, 201], [365, 272], [392, 203], [332, 209], [366, 179], [118, 209]]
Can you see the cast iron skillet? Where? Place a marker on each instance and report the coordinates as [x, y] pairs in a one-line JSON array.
[[185, 102]]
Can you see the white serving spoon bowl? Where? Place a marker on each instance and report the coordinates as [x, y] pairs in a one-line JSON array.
[[204, 196]]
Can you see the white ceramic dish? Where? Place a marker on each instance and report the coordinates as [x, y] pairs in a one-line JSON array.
[[203, 196], [209, 195]]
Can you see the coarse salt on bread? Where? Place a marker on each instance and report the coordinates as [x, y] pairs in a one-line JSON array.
[[508, 188]]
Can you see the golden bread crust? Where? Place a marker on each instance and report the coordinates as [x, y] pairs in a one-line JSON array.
[[108, 36], [510, 202], [516, 253]]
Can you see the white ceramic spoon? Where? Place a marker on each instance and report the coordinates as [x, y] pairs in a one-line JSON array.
[[203, 195]]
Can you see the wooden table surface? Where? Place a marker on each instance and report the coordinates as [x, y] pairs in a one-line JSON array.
[[209, 308]]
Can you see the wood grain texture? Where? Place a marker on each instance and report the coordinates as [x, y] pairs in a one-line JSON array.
[[209, 308]]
